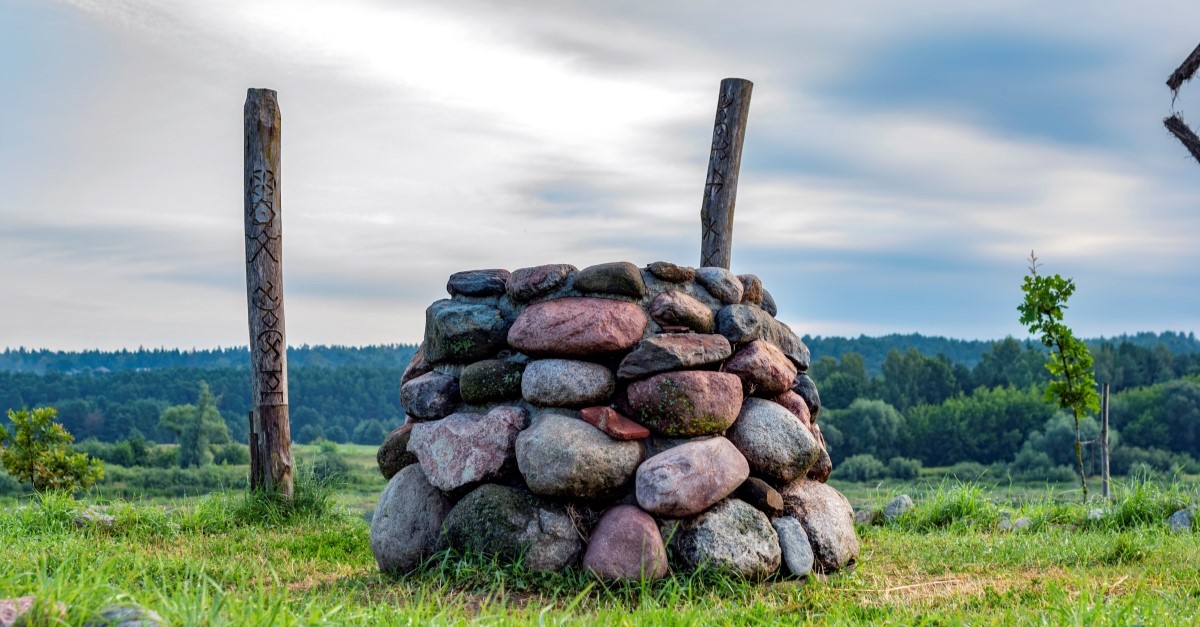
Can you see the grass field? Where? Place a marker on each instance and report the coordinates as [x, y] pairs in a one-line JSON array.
[[225, 559]]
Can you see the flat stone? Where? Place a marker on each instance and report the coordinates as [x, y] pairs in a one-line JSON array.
[[92, 518], [626, 545], [407, 525], [465, 449], [671, 273], [491, 282], [690, 478], [459, 332], [578, 327], [676, 308], [490, 380], [768, 304], [567, 383], [741, 324], [752, 289], [807, 389], [897, 506], [763, 369], [619, 277], [125, 616], [721, 283], [798, 555], [529, 283], [513, 524], [561, 456], [731, 537], [686, 403], [613, 424], [430, 396], [761, 496], [828, 520], [674, 351], [393, 454], [774, 441], [417, 366]]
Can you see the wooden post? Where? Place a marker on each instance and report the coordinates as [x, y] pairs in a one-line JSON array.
[[270, 433], [1104, 474], [720, 186]]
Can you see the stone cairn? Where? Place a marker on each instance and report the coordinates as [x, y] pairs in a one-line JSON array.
[[622, 420]]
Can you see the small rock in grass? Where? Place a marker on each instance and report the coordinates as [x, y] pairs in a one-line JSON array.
[[897, 506], [1182, 520]]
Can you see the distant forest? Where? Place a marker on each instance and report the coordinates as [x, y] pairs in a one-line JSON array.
[[930, 399]]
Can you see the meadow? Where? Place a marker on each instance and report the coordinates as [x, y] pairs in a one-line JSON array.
[[227, 558]]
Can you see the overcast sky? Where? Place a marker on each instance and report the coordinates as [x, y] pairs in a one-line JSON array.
[[901, 159]]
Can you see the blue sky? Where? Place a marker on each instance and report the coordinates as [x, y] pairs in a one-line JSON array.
[[901, 159]]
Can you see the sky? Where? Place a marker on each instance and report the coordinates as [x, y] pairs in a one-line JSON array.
[[901, 159]]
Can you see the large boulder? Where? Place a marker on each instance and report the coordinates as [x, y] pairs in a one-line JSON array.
[[732, 537], [490, 380], [690, 477], [465, 449], [561, 456], [459, 332], [619, 277], [828, 520], [741, 324], [578, 327], [763, 368], [513, 524], [407, 525], [567, 383], [529, 283], [393, 454], [775, 443], [490, 282], [677, 309], [430, 396], [721, 283], [626, 545], [686, 403], [673, 351]]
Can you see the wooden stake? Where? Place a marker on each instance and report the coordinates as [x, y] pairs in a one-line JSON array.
[[270, 433], [724, 162], [1104, 473]]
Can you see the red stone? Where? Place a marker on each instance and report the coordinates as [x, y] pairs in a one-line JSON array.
[[764, 368], [577, 327], [686, 403], [613, 423]]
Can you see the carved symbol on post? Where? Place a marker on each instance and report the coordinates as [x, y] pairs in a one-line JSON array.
[[264, 242], [271, 344], [266, 299], [262, 196]]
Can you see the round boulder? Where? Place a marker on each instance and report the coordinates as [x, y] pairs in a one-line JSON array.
[[626, 545], [393, 454], [567, 383], [577, 327], [513, 524], [430, 396], [407, 525], [687, 479], [773, 440], [686, 403], [732, 537], [490, 380], [561, 456], [828, 520]]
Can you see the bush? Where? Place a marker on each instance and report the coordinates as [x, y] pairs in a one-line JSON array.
[[968, 471], [861, 467], [38, 451], [232, 454], [1126, 460], [904, 468]]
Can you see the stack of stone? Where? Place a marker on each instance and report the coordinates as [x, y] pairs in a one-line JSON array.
[[620, 419]]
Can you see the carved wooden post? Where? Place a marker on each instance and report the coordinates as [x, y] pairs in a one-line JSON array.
[[720, 186], [1105, 479], [270, 433]]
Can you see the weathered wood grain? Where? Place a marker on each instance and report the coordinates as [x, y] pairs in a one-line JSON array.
[[724, 162]]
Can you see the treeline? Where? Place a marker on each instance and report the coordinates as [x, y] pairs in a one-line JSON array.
[[941, 413], [46, 361]]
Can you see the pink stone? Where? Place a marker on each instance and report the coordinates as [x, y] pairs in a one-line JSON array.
[[577, 327], [679, 309], [764, 369], [613, 423], [626, 545], [690, 478], [794, 403], [686, 403], [466, 449]]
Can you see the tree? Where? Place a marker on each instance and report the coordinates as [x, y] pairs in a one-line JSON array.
[[1072, 384], [199, 428], [867, 426], [38, 451]]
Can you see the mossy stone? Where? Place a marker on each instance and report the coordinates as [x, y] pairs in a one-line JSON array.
[[490, 380]]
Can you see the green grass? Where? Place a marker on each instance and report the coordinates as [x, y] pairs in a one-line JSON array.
[[243, 560]]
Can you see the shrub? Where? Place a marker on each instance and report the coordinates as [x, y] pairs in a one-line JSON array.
[[38, 451], [861, 467], [968, 471], [904, 468], [232, 454]]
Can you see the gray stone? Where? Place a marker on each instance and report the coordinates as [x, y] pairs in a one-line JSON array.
[[828, 520], [514, 524], [125, 616], [741, 324], [463, 449], [768, 304], [732, 537], [619, 277], [1096, 514], [773, 440], [721, 283], [567, 383], [690, 478], [562, 456], [626, 545], [478, 283], [407, 525], [671, 272], [529, 283], [490, 380], [430, 396], [462, 332], [763, 368], [393, 454], [896, 507], [793, 542], [673, 351], [92, 518], [807, 389], [1182, 520], [674, 308], [864, 516]]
